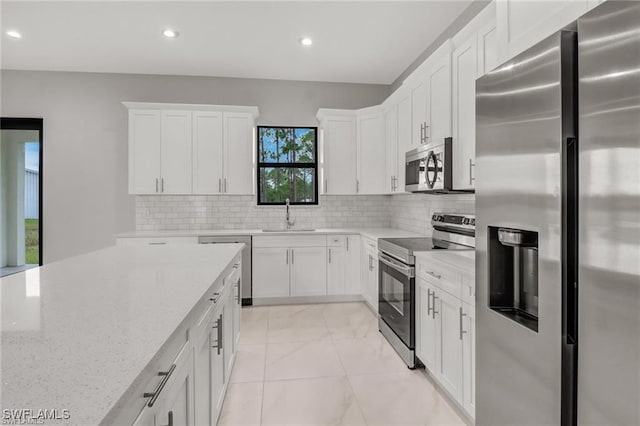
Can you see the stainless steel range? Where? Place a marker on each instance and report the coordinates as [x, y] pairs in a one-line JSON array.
[[397, 294]]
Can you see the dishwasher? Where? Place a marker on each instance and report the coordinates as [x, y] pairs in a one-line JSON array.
[[246, 259]]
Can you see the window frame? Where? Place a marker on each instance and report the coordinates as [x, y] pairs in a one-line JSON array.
[[314, 166]]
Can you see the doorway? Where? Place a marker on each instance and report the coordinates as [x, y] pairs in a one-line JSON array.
[[20, 194]]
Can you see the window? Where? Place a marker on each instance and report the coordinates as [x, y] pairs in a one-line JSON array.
[[287, 165]]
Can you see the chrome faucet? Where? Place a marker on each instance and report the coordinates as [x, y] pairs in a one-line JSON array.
[[289, 222]]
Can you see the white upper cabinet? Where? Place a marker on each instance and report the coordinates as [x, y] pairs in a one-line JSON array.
[[238, 153], [405, 142], [419, 129], [340, 156], [464, 113], [191, 149], [439, 95], [371, 152], [207, 152], [487, 39], [144, 151], [521, 24], [391, 156], [175, 153]]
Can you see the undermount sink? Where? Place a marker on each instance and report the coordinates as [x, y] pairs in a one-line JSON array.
[[289, 230]]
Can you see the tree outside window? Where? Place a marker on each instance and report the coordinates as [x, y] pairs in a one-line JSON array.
[[287, 165]]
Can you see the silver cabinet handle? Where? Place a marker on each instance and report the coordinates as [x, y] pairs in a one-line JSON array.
[[433, 310], [326, 186], [347, 243], [156, 185], [357, 185], [170, 418], [238, 288], [219, 185], [329, 255], [218, 327], [156, 393], [157, 243], [433, 274], [421, 133], [471, 165], [215, 299], [225, 185], [462, 314], [428, 302], [292, 256], [287, 256]]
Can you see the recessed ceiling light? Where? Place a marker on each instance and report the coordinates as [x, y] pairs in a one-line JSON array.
[[14, 34], [306, 41], [170, 33]]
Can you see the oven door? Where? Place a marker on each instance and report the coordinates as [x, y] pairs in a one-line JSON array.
[[396, 299]]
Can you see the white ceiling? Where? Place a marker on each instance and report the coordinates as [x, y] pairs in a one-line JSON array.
[[363, 41]]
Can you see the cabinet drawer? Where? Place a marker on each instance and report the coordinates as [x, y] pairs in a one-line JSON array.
[[290, 241], [336, 240], [440, 275], [152, 241], [370, 243]]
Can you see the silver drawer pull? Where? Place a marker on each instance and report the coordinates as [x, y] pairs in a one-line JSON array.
[[156, 393], [158, 243], [215, 299], [433, 274], [462, 332]]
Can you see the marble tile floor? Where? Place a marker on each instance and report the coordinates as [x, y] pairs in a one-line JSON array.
[[325, 364]]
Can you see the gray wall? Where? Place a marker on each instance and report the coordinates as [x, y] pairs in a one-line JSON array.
[[85, 136]]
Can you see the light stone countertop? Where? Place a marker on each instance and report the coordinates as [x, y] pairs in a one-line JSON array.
[[76, 334], [374, 233], [461, 259]]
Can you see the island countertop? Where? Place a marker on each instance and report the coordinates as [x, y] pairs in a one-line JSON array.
[[76, 334]]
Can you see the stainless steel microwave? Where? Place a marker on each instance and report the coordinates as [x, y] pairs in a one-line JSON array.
[[428, 168]]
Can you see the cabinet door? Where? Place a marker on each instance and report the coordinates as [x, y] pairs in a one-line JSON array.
[[353, 265], [144, 151], [309, 271], [238, 153], [218, 376], [419, 113], [340, 155], [176, 154], [449, 347], [207, 152], [371, 154], [178, 403], [405, 142], [370, 278], [521, 24], [202, 377], [336, 272], [487, 49], [439, 99], [227, 332], [427, 326], [391, 143], [464, 114], [270, 272], [469, 359]]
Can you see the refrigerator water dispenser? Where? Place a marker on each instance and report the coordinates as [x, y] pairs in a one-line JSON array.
[[513, 274]]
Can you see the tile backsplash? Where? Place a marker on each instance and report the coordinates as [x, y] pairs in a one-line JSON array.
[[411, 212]]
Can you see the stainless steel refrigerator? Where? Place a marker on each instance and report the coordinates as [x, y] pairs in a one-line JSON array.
[[558, 228]]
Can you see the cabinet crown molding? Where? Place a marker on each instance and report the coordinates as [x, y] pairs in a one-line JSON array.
[[192, 107]]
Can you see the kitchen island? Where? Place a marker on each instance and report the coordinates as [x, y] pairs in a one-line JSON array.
[[85, 338]]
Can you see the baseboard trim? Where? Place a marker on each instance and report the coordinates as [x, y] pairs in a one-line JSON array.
[[292, 300]]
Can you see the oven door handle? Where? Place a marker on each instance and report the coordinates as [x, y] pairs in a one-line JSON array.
[[403, 269]]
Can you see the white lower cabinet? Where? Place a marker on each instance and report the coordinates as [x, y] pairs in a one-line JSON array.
[[197, 379], [369, 274], [343, 264], [336, 270], [308, 271], [469, 359], [445, 332], [270, 271]]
